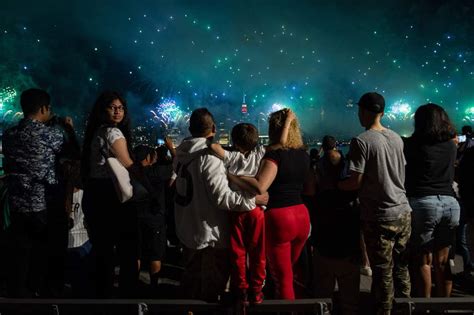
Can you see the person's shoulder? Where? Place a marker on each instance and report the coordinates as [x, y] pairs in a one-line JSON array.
[[361, 139], [54, 131], [259, 150], [113, 133], [207, 160], [112, 130], [363, 136], [393, 133], [276, 152], [206, 155], [45, 132], [334, 157], [303, 155]]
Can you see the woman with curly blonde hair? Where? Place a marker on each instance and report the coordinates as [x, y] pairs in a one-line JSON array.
[[286, 174], [276, 126]]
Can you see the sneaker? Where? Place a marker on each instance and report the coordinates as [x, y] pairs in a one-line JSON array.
[[366, 271], [256, 298]]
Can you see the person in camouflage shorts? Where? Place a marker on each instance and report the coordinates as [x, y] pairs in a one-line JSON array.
[[377, 170], [389, 259]]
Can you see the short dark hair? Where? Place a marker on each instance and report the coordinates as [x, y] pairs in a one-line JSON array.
[[141, 152], [329, 143], [32, 100], [432, 124], [245, 136], [201, 122], [162, 152]]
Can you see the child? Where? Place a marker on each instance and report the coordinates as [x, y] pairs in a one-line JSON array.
[[79, 248], [336, 232], [151, 222], [247, 228]]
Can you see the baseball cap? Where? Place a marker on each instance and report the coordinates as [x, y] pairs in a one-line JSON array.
[[373, 102]]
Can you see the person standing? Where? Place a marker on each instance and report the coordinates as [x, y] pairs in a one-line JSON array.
[[431, 154], [377, 170], [30, 151], [202, 225], [286, 174], [110, 223], [335, 232]]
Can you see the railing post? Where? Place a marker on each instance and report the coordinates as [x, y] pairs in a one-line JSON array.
[[321, 308], [55, 309], [142, 309], [404, 307], [411, 307]]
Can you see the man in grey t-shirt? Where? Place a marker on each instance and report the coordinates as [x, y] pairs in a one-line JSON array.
[[377, 169]]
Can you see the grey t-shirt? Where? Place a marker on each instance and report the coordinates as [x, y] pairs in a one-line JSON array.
[[378, 155]]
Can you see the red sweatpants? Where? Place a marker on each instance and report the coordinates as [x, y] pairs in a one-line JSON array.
[[287, 230], [247, 237]]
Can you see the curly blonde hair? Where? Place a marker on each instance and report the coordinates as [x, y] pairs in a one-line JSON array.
[[276, 122]]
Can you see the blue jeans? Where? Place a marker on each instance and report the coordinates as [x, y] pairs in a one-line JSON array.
[[434, 219]]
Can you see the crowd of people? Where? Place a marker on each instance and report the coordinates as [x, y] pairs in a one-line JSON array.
[[393, 208]]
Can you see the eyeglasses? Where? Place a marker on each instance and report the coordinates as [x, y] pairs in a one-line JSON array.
[[116, 108]]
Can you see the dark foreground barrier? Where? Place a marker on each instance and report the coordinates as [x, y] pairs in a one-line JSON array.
[[457, 305], [310, 306], [145, 307]]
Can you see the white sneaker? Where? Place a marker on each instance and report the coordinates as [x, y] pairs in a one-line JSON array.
[[366, 271]]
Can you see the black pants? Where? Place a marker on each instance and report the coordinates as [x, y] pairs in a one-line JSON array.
[[28, 254], [111, 225], [58, 229]]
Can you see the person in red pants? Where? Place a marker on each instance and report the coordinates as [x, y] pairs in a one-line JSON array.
[[247, 232], [286, 174], [247, 237], [247, 228]]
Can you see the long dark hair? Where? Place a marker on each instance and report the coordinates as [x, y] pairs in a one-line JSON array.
[[98, 118], [432, 124]]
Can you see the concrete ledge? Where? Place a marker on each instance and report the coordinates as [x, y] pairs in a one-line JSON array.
[[147, 306], [410, 305]]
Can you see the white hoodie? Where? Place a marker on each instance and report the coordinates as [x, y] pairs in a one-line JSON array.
[[202, 195]]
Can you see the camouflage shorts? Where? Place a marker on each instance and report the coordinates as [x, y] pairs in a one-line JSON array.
[[386, 244]]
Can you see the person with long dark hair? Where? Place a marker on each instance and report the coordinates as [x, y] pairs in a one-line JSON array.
[[431, 154], [110, 222]]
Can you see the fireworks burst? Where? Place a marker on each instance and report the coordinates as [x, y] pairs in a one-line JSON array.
[[400, 110], [469, 114], [276, 107], [170, 116], [11, 116], [7, 95]]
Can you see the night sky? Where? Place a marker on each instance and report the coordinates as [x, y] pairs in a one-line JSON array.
[[316, 57]]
